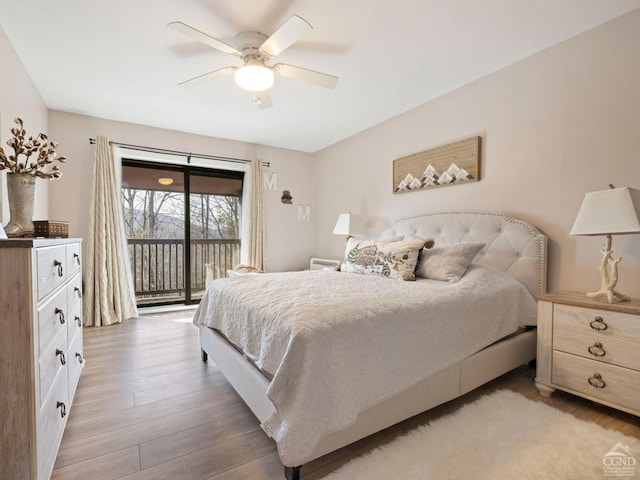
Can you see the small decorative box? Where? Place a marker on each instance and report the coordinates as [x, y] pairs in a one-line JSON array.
[[50, 229]]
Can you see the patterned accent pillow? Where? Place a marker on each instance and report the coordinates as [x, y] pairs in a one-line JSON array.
[[395, 260]]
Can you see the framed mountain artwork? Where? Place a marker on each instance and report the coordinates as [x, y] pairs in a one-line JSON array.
[[450, 164]]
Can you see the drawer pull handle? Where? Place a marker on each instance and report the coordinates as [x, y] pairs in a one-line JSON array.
[[60, 314], [598, 324], [78, 321], [77, 290], [77, 257], [596, 350], [58, 264], [63, 359], [63, 409], [596, 381], [79, 357]]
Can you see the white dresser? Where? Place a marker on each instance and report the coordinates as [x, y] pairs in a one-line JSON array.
[[40, 350], [590, 348]]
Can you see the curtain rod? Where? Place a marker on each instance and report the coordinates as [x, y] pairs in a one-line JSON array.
[[140, 148]]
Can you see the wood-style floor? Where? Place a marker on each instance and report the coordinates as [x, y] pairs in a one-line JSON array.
[[147, 407]]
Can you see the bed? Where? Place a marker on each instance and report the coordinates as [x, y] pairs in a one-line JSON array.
[[322, 369]]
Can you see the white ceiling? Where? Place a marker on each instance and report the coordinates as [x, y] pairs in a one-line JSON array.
[[116, 59]]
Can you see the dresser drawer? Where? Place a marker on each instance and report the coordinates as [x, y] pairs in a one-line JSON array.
[[51, 269], [73, 258], [74, 323], [605, 323], [51, 423], [52, 318], [53, 358], [620, 386], [594, 346], [74, 293], [76, 363]]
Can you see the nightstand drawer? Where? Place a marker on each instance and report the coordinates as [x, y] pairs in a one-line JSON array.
[[594, 346], [619, 386], [606, 323]]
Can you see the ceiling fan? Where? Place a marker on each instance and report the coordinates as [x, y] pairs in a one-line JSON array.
[[255, 48]]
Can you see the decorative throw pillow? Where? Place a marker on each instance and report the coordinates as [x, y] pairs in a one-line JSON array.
[[396, 260], [447, 262]]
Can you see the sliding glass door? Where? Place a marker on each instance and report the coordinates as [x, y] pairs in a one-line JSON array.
[[214, 229], [183, 228]]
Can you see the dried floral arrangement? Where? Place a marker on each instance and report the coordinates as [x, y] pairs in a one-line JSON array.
[[41, 145]]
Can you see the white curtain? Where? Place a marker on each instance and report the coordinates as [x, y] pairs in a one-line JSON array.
[[257, 236], [109, 296]]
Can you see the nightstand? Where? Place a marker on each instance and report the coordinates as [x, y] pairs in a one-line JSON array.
[[589, 348]]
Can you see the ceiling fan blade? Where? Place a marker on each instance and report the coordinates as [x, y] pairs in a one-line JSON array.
[[263, 99], [310, 76], [203, 37], [289, 33], [207, 76]]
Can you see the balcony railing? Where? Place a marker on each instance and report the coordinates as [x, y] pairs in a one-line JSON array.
[[157, 266]]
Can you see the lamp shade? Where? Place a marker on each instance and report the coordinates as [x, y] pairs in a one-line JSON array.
[[613, 211], [348, 224]]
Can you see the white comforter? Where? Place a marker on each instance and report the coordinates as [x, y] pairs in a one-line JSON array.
[[338, 343]]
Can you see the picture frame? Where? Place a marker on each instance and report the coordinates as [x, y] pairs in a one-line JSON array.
[[451, 164]]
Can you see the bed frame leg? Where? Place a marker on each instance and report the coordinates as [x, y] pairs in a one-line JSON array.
[[204, 355], [292, 473]]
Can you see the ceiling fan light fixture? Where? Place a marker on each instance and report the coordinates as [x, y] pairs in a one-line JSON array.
[[254, 77]]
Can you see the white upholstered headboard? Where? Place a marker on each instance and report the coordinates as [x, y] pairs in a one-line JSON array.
[[512, 245]]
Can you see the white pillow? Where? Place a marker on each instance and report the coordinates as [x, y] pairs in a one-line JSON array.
[[447, 262]]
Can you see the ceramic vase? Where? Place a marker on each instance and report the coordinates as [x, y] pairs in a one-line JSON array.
[[21, 189]]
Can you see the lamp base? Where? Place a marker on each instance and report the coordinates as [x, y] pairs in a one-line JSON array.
[[609, 270], [610, 294]]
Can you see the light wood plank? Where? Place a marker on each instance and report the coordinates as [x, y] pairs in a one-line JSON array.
[[188, 441], [200, 464], [116, 420], [105, 467]]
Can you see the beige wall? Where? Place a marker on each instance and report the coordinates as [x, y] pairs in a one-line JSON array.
[[554, 126], [70, 196], [19, 98]]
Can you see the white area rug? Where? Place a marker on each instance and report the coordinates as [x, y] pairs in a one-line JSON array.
[[502, 436]]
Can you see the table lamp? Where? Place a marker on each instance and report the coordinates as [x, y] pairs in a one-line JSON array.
[[609, 212], [349, 224]]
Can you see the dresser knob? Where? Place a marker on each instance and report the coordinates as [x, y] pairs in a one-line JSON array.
[[60, 314], [598, 324], [63, 409], [58, 264], [77, 258], [79, 357], [78, 321], [596, 350], [63, 359], [77, 290], [596, 381]]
